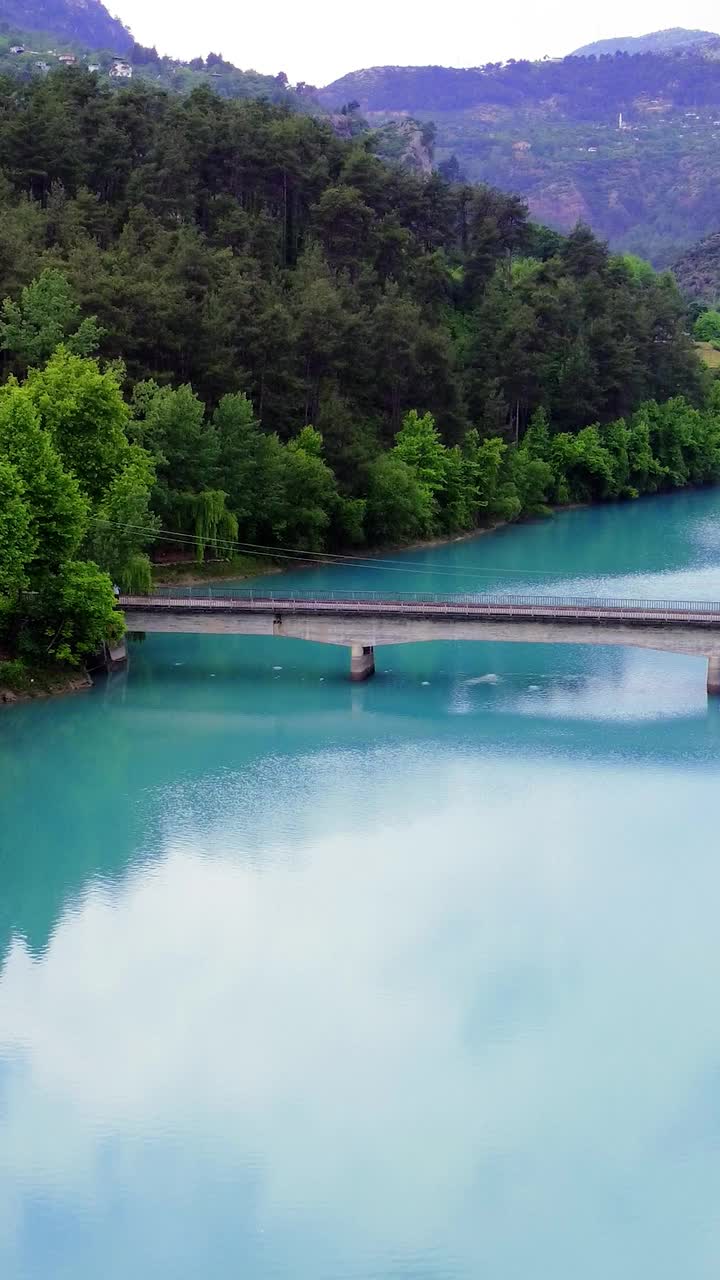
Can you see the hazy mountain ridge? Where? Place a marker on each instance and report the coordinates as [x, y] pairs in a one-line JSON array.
[[575, 87], [630, 144], [654, 42], [86, 22], [405, 142]]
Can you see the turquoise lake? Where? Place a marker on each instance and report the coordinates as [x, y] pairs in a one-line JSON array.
[[409, 980]]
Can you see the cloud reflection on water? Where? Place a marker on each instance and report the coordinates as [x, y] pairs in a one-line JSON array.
[[433, 1001]]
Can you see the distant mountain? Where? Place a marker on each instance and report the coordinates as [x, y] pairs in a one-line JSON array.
[[654, 42], [83, 22], [628, 144]]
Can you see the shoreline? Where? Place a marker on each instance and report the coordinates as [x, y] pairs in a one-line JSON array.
[[193, 578], [46, 684], [51, 684]]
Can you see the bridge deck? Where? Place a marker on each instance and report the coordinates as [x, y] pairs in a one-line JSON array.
[[629, 612]]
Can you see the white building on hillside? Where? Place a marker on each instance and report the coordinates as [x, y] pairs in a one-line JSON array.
[[121, 71]]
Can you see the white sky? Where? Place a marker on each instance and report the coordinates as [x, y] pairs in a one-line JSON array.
[[320, 40]]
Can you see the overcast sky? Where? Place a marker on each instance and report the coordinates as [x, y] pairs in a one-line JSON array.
[[319, 40]]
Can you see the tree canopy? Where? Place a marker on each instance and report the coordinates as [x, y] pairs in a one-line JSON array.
[[225, 326]]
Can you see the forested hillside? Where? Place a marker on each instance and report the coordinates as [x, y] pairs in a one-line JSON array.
[[224, 323], [698, 270], [550, 131], [85, 22], [654, 42]]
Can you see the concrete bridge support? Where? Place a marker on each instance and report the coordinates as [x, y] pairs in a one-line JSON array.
[[362, 661], [115, 657], [360, 625]]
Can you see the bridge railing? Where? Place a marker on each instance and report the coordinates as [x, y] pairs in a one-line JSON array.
[[487, 599]]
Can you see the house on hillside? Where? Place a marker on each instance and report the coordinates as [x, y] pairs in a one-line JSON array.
[[17, 48], [42, 66], [93, 66], [121, 71], [68, 59]]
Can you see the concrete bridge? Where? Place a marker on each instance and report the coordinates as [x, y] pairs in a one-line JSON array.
[[361, 621]]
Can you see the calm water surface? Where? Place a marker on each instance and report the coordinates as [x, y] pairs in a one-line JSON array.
[[413, 980]]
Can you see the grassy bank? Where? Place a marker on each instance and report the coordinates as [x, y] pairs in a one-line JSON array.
[[189, 573], [20, 681], [708, 354]]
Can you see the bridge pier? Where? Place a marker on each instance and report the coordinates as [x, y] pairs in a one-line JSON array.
[[114, 656], [362, 661], [325, 618]]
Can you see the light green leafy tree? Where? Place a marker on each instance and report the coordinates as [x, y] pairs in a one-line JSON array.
[[483, 464], [123, 524], [533, 482], [67, 611], [707, 327], [309, 493], [241, 459], [74, 615], [58, 509], [17, 537], [46, 315], [171, 424], [616, 439], [583, 467], [212, 523], [82, 409], [457, 509], [419, 445], [399, 507]]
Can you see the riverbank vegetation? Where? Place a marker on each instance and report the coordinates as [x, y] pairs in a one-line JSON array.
[[225, 328]]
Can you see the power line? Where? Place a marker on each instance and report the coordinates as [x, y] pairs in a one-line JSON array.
[[298, 555]]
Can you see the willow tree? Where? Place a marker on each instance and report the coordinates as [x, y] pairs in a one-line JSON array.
[[211, 519]]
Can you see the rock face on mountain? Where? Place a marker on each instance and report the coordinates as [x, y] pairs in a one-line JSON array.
[[84, 22], [629, 143], [653, 42], [698, 270]]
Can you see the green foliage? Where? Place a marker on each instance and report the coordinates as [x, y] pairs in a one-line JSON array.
[[14, 674], [124, 524], [17, 540], [211, 519], [72, 615], [55, 607], [399, 507], [419, 446], [253, 275], [170, 424], [46, 315], [549, 131], [638, 268], [58, 509], [483, 464], [707, 327], [83, 412], [229, 247], [532, 479], [309, 493]]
